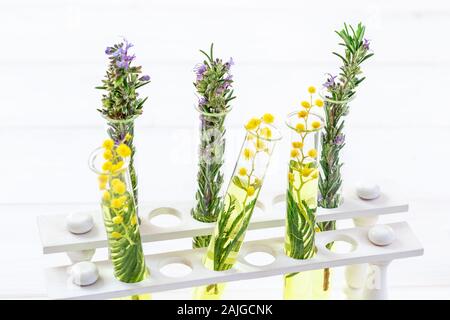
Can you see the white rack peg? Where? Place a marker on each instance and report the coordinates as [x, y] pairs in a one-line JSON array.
[[376, 284]]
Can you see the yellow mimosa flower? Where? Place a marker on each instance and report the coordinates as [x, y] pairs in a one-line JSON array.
[[306, 171], [102, 185], [116, 203], [107, 166], [294, 153], [128, 137], [108, 144], [291, 177], [250, 191], [316, 124], [319, 103], [312, 153], [133, 220], [300, 127], [306, 104], [253, 124], [108, 155], [248, 154], [242, 171], [302, 113], [297, 144], [103, 178], [117, 219], [123, 199], [123, 150], [119, 187], [312, 89], [116, 235], [106, 196], [268, 118], [117, 166], [266, 132], [260, 145]]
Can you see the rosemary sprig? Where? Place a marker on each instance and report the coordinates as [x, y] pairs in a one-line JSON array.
[[121, 103], [214, 87], [338, 93]]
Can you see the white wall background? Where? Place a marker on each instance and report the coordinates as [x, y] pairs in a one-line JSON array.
[[52, 56]]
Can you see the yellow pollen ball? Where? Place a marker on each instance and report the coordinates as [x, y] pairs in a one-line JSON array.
[[268, 118], [117, 219], [123, 199], [102, 185], [306, 172], [106, 196], [116, 203], [291, 177], [300, 127], [316, 124], [266, 132], [297, 144], [116, 235], [243, 171], [128, 137], [253, 124], [260, 145], [312, 153], [248, 154], [302, 113], [123, 150], [103, 178], [306, 104], [312, 89], [294, 153], [119, 187], [107, 166], [319, 103], [108, 144], [250, 191], [133, 220], [108, 155], [115, 181]]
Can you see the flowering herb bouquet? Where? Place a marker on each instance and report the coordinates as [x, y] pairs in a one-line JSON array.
[[303, 180], [214, 87], [337, 93], [111, 163], [242, 193], [121, 103]]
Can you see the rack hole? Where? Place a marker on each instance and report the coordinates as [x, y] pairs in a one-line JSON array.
[[176, 269], [165, 217], [342, 245], [259, 258]]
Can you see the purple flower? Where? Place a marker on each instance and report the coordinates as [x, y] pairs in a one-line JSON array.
[[366, 44], [229, 63], [330, 81], [109, 50], [202, 101], [200, 69], [145, 78], [339, 140]]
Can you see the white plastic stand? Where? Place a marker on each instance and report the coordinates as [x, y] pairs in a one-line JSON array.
[[56, 238]]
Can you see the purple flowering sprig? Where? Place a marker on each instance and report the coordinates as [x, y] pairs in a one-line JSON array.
[[121, 100], [338, 91], [214, 83]]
